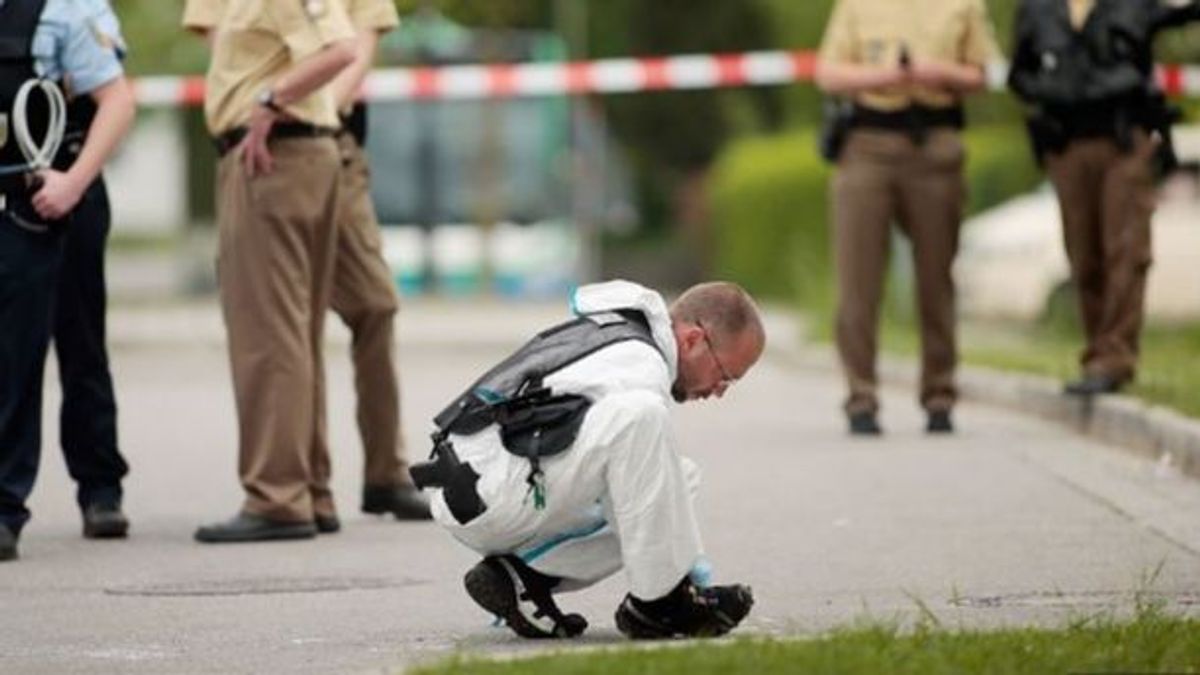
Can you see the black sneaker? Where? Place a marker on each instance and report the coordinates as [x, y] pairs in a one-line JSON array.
[[520, 596], [8, 544], [405, 502], [104, 521], [864, 423], [939, 422], [687, 611]]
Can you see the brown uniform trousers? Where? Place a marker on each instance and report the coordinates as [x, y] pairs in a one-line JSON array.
[[365, 300], [277, 240], [884, 177], [1107, 198]]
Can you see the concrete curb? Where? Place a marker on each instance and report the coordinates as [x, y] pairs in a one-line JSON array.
[[1165, 436]]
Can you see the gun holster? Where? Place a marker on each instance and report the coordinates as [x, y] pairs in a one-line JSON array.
[[1159, 117], [456, 479], [1046, 135], [837, 118]]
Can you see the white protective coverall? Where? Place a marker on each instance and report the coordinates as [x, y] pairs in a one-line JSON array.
[[620, 495]]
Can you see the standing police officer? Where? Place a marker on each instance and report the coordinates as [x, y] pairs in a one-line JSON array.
[[907, 65], [1101, 128], [274, 122], [363, 295], [88, 419], [60, 77]]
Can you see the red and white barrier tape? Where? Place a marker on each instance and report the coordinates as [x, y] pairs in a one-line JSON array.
[[602, 76]]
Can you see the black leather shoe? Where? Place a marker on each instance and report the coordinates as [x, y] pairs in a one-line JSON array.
[[327, 524], [8, 544], [249, 527], [864, 423], [1091, 385], [403, 501], [939, 422], [104, 521]]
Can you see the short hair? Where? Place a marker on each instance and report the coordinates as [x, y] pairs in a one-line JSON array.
[[722, 307]]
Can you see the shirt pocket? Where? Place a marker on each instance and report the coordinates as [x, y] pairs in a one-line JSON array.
[[308, 27], [880, 44], [247, 38]]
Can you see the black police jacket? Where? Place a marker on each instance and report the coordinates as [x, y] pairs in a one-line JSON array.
[[1108, 59]]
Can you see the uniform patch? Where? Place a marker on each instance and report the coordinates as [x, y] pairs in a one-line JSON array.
[[103, 39]]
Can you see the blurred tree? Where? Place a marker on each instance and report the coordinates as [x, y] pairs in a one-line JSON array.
[[157, 45], [673, 137]]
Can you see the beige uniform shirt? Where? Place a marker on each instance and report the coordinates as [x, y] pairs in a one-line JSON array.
[[875, 33], [1079, 11], [256, 41], [379, 15]]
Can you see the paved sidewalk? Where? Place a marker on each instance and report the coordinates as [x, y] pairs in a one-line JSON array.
[[1012, 520]]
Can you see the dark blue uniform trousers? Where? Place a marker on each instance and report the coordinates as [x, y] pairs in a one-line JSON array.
[[52, 284], [88, 421]]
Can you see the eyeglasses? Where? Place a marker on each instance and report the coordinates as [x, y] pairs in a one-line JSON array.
[[726, 378]]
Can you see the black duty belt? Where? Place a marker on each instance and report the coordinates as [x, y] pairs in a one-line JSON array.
[[908, 119], [230, 139]]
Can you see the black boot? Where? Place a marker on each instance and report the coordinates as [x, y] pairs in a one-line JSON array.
[[864, 423], [521, 597], [8, 544], [939, 422], [1093, 384], [104, 521], [687, 611]]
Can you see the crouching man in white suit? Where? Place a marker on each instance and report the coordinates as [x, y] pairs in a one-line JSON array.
[[559, 466]]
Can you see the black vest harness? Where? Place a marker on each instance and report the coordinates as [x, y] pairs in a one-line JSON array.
[[18, 22], [534, 421]]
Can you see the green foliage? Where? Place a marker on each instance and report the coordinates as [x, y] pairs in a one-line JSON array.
[[769, 207], [1152, 641], [157, 43], [768, 197], [999, 166], [494, 13], [1168, 372]]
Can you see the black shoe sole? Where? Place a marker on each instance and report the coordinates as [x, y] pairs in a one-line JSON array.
[[400, 514], [383, 507], [106, 531], [279, 533], [493, 589], [327, 525], [8, 554]]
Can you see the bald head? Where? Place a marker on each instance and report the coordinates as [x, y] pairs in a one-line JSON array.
[[724, 308], [719, 336]]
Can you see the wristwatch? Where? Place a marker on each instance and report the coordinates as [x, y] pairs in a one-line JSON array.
[[266, 98]]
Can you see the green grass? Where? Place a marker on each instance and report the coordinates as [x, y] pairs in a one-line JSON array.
[[1168, 372], [1152, 642]]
